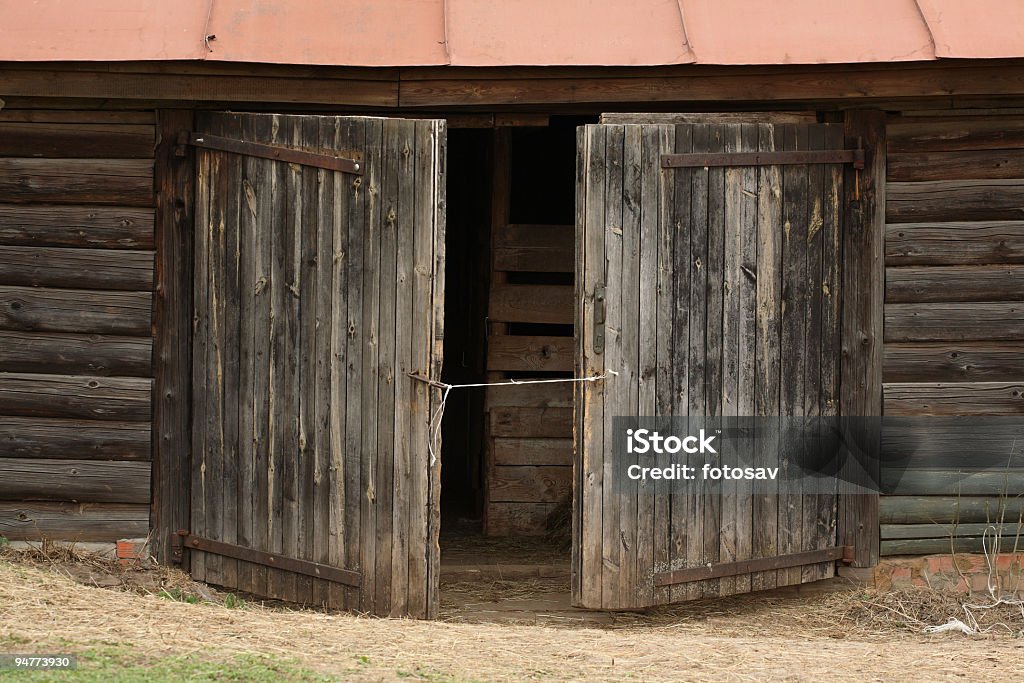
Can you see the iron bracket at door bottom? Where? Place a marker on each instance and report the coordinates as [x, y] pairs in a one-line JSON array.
[[183, 539], [761, 564]]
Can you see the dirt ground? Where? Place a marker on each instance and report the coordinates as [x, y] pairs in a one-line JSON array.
[[46, 606]]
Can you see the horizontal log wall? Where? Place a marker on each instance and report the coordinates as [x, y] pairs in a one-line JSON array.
[[954, 327], [76, 318]]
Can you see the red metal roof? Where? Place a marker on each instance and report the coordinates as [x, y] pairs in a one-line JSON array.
[[510, 32]]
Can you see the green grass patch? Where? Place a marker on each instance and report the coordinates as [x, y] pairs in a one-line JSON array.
[[178, 596], [117, 665]]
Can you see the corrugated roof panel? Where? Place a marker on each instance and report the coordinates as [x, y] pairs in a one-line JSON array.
[[566, 32], [805, 31], [976, 29], [511, 32], [108, 30], [335, 32]]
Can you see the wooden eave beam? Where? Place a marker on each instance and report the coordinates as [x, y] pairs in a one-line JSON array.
[[418, 87]]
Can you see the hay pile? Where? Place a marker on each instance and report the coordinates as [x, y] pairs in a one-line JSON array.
[[104, 571], [924, 610]]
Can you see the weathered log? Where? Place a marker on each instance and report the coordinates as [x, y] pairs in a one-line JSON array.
[[955, 200], [920, 284], [80, 481], [953, 482], [73, 521], [119, 182], [76, 268], [75, 310], [954, 398], [101, 227], [81, 140], [949, 509], [997, 321], [69, 354], [67, 396], [952, 361], [954, 243], [34, 437]]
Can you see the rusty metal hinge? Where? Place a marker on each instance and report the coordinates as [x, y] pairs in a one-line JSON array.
[[784, 158], [600, 313], [277, 153]]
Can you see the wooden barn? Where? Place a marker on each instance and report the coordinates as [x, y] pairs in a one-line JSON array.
[[245, 246]]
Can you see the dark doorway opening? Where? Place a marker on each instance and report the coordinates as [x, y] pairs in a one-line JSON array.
[[507, 452]]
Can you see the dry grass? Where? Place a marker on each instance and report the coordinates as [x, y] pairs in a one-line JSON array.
[[919, 610], [763, 637]]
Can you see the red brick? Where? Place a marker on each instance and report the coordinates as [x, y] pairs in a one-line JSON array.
[[939, 564], [131, 551], [979, 583], [971, 563], [1010, 561]]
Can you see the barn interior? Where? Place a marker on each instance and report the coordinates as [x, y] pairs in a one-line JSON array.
[[507, 450]]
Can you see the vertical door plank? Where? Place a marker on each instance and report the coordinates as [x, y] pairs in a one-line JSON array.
[[580, 366], [346, 378], [747, 332], [439, 209], [293, 451], [247, 397], [422, 241], [329, 290], [405, 207], [282, 380], [831, 325], [812, 331], [263, 188], [671, 295], [305, 135], [691, 323], [713, 364], [766, 381], [592, 438], [732, 276], [614, 400], [372, 456], [386, 473], [215, 359], [794, 299], [200, 335], [631, 337], [649, 149], [228, 314]]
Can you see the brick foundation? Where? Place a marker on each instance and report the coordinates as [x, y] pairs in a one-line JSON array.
[[962, 573]]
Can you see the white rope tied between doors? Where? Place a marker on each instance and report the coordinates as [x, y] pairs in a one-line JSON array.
[[435, 420]]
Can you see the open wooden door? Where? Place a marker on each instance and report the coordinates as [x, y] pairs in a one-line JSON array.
[[318, 291], [708, 281]]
